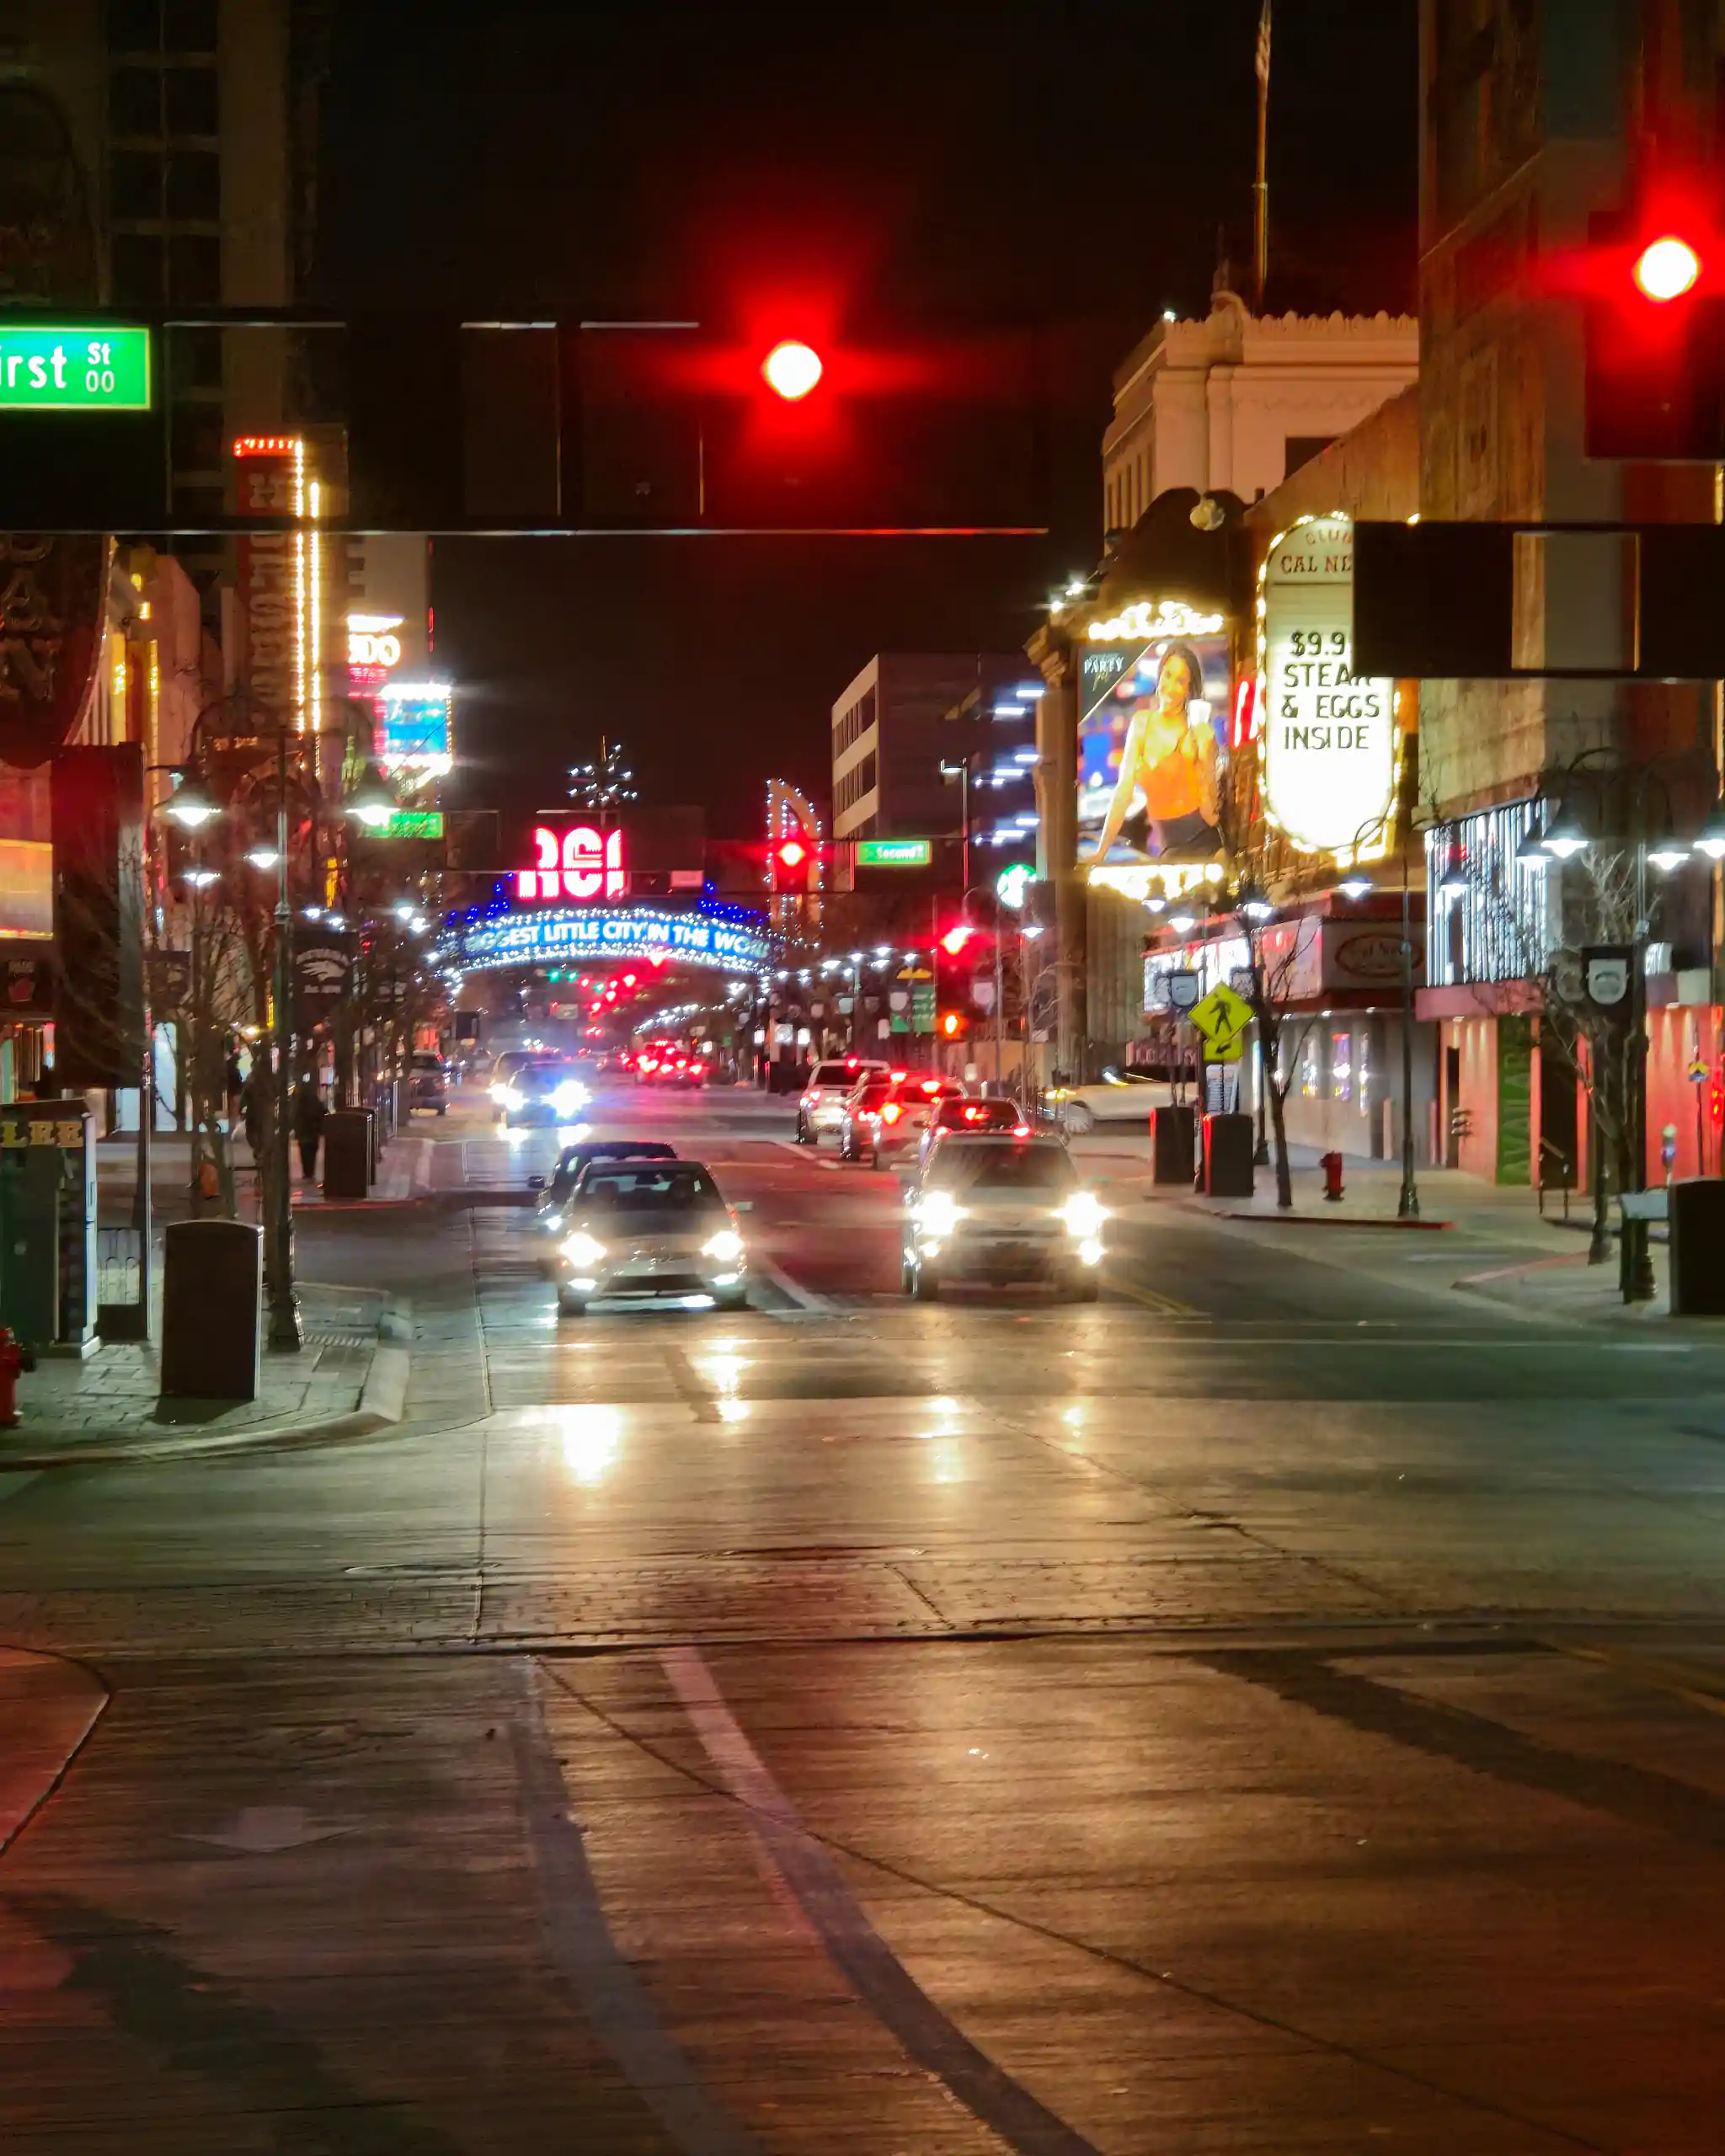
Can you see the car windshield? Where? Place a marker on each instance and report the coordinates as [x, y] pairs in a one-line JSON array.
[[575, 1159], [836, 1074], [998, 1167], [424, 1060], [543, 1070], [672, 1187]]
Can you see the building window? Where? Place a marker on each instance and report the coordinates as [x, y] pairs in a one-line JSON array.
[[192, 105], [1300, 449], [134, 25], [189, 25], [195, 186], [198, 437], [134, 186], [137, 270], [194, 358], [193, 270], [1341, 1067], [135, 102]]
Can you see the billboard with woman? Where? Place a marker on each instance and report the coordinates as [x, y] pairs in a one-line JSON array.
[[1152, 733]]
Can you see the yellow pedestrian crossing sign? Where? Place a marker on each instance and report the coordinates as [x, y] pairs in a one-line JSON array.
[[1221, 1020]]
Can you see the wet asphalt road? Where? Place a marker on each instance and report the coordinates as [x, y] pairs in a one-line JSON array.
[[1280, 1707]]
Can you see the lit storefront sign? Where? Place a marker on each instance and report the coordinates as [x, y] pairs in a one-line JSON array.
[[373, 646], [581, 862], [1329, 738], [529, 939], [280, 581], [413, 730], [1155, 699]]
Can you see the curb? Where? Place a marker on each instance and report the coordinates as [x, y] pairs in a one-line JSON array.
[[383, 1402], [1293, 1220]]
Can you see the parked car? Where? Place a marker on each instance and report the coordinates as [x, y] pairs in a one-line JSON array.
[[1002, 1209], [820, 1109], [1122, 1096], [645, 1228], [428, 1082]]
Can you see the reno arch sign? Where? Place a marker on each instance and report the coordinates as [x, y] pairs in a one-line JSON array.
[[1328, 736], [580, 863]]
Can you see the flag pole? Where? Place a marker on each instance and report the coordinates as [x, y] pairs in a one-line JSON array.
[[1261, 188]]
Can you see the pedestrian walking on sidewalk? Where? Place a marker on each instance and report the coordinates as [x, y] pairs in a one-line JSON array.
[[308, 1114]]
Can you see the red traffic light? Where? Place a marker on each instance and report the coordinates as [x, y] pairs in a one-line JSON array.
[[792, 369], [1666, 269], [955, 939], [790, 853]]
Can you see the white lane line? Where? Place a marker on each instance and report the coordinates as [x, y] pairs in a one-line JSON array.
[[855, 1949], [805, 1298]]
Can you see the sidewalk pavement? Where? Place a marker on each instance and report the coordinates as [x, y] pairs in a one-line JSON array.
[[1479, 1238], [348, 1379]]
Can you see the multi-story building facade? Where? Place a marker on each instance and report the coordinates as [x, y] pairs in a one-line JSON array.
[[889, 739], [1236, 402], [1534, 117]]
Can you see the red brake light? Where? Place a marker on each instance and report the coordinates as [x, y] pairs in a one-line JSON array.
[[896, 1075], [1021, 1130], [891, 1112], [931, 1085], [971, 1114], [697, 1066]]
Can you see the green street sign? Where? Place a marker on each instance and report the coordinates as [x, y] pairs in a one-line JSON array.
[[922, 1006], [59, 368], [413, 824], [895, 853]]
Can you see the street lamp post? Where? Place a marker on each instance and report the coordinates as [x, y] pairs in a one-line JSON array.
[[284, 1305]]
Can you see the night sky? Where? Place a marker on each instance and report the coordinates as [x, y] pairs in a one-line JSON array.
[[1068, 165]]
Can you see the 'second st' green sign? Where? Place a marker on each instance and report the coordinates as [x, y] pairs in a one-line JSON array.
[[56, 368], [895, 853]]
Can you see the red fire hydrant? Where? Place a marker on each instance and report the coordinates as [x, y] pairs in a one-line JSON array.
[[1331, 1163], [12, 1359]]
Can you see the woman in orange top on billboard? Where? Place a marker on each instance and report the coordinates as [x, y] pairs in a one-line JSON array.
[[1167, 764]]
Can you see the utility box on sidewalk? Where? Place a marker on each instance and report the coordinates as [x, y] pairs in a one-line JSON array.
[[347, 1153], [1170, 1140], [1228, 1141], [1697, 1218], [212, 1309]]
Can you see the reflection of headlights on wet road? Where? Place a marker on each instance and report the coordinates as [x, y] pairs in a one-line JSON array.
[[583, 1251], [939, 1213], [1084, 1216], [727, 1245]]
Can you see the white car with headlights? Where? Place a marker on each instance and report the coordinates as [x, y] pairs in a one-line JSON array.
[[642, 1231], [997, 1209], [541, 1089]]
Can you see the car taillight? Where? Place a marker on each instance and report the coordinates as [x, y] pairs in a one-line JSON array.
[[695, 1068], [891, 1112], [1021, 1130]]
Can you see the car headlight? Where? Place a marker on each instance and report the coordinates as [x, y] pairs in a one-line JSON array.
[[497, 1092], [512, 1097], [939, 1213], [726, 1245], [1083, 1216], [569, 1097], [582, 1251]]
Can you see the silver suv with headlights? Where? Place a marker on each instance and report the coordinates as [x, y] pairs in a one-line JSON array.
[[1000, 1209], [645, 1229]]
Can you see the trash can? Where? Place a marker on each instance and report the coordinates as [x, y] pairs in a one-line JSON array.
[[1228, 1143], [1697, 1225], [1172, 1131], [347, 1153], [212, 1309]]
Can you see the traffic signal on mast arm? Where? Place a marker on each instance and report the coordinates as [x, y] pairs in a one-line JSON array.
[[791, 863], [1654, 304]]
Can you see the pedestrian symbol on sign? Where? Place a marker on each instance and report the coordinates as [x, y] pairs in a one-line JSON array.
[[1221, 1021]]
